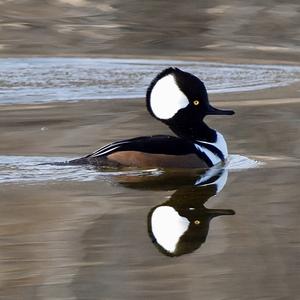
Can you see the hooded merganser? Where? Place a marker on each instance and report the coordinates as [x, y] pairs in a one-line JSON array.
[[178, 99]]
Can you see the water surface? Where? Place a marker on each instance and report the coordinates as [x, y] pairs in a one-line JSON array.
[[30, 169], [38, 80], [76, 233]]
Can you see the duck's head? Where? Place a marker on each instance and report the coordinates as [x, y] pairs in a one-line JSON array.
[[178, 96]]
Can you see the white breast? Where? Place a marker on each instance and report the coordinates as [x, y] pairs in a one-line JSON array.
[[220, 144]]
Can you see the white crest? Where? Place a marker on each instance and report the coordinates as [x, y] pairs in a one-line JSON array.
[[166, 98], [168, 226]]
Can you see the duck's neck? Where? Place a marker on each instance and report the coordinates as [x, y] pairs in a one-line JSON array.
[[195, 131]]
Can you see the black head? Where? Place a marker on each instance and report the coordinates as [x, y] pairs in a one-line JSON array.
[[177, 94]]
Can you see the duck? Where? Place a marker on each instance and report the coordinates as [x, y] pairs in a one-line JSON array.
[[178, 99]]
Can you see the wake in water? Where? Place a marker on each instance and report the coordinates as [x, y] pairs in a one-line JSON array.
[[34, 169], [237, 162]]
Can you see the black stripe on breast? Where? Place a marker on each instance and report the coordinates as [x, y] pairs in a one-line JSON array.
[[204, 156], [213, 149]]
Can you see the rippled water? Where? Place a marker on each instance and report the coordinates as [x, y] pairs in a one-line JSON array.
[[74, 232], [28, 169], [36, 80], [227, 29]]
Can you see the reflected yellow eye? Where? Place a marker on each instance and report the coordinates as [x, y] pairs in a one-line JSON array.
[[196, 102], [197, 222]]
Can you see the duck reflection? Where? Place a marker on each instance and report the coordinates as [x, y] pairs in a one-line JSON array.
[[180, 225]]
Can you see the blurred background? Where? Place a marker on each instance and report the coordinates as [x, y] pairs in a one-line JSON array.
[[214, 29]]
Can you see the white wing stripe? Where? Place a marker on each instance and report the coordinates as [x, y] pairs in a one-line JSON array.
[[104, 152], [107, 147]]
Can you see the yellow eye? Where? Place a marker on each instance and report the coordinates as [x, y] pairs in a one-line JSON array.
[[196, 102]]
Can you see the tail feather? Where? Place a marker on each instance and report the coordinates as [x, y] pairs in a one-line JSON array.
[[73, 162], [86, 160], [96, 161], [79, 161]]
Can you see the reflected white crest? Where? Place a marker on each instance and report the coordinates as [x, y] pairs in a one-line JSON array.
[[168, 226], [166, 98]]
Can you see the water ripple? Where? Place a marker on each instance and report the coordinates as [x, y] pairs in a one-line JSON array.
[[34, 169], [37, 80]]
